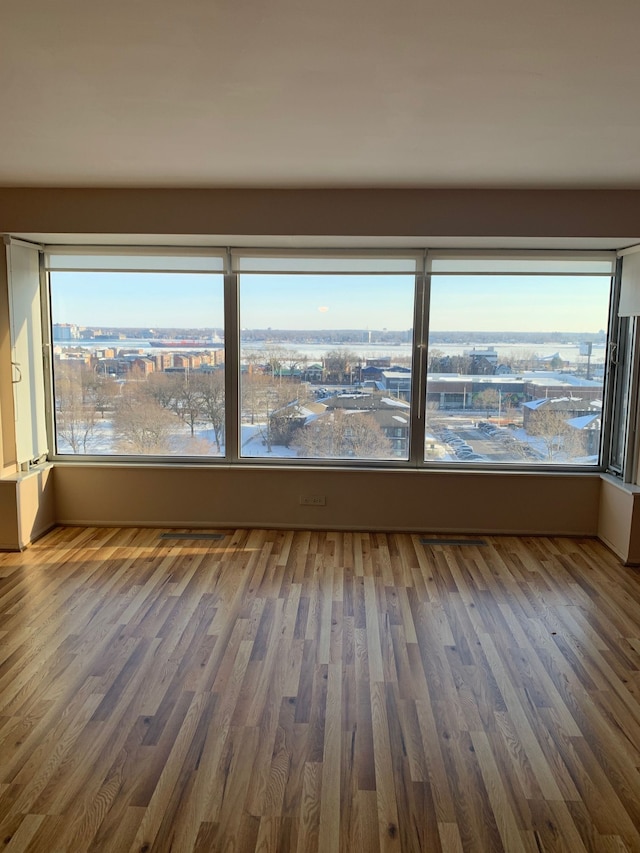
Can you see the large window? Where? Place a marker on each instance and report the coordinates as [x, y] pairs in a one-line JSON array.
[[410, 359], [326, 358], [517, 360], [138, 355]]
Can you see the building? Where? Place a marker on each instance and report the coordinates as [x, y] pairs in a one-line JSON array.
[[497, 128], [163, 360], [564, 424], [397, 381], [65, 332], [145, 366], [389, 415], [452, 391], [481, 357], [537, 412]]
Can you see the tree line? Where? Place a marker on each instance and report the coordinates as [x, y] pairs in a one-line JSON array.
[[144, 411], [149, 414]]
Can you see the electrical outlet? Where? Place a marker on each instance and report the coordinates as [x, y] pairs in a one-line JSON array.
[[313, 500]]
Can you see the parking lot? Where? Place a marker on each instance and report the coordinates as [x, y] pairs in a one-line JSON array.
[[481, 441]]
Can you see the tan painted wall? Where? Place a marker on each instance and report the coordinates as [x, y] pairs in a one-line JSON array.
[[36, 504], [389, 500], [619, 519], [27, 507], [7, 434], [615, 516], [9, 535], [359, 212]]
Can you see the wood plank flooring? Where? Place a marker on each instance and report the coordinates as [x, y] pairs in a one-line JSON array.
[[306, 691]]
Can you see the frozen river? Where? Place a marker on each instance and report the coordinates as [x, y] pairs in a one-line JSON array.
[[314, 352]]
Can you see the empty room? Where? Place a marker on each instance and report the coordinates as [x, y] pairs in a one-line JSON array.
[[319, 458]]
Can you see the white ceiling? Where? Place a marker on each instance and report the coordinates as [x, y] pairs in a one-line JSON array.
[[295, 93]]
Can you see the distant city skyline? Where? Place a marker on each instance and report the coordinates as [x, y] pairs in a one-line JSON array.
[[469, 303]]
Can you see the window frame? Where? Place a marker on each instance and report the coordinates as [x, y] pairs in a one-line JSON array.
[[422, 291], [514, 256], [624, 385], [132, 251]]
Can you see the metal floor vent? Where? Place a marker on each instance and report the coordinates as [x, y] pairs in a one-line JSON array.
[[452, 542], [192, 535]]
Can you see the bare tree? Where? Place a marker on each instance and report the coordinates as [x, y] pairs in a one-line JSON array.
[[295, 361], [253, 391], [99, 391], [339, 365], [198, 446], [275, 357], [557, 437], [76, 414], [141, 424], [211, 389], [341, 435], [283, 415], [180, 393], [262, 395], [441, 363], [162, 388], [489, 400], [188, 399], [522, 359]]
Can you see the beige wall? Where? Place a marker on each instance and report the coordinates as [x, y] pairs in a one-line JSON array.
[[377, 213], [619, 519], [390, 500], [429, 501], [36, 504], [7, 434], [615, 516], [27, 507], [9, 527]]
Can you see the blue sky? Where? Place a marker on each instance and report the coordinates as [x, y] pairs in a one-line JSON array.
[[479, 303], [522, 303], [151, 300]]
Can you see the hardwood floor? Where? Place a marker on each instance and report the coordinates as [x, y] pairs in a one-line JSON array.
[[305, 691]]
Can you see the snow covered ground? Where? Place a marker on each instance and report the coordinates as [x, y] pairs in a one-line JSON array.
[[253, 444], [102, 442]]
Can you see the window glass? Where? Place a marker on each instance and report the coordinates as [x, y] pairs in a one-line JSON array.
[[138, 363], [326, 366], [622, 373], [516, 368]]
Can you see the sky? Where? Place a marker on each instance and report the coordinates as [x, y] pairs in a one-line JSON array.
[[315, 302]]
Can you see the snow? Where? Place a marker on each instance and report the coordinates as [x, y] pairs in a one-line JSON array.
[[389, 401], [253, 444], [583, 422], [202, 443], [535, 443], [313, 417], [535, 404]]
